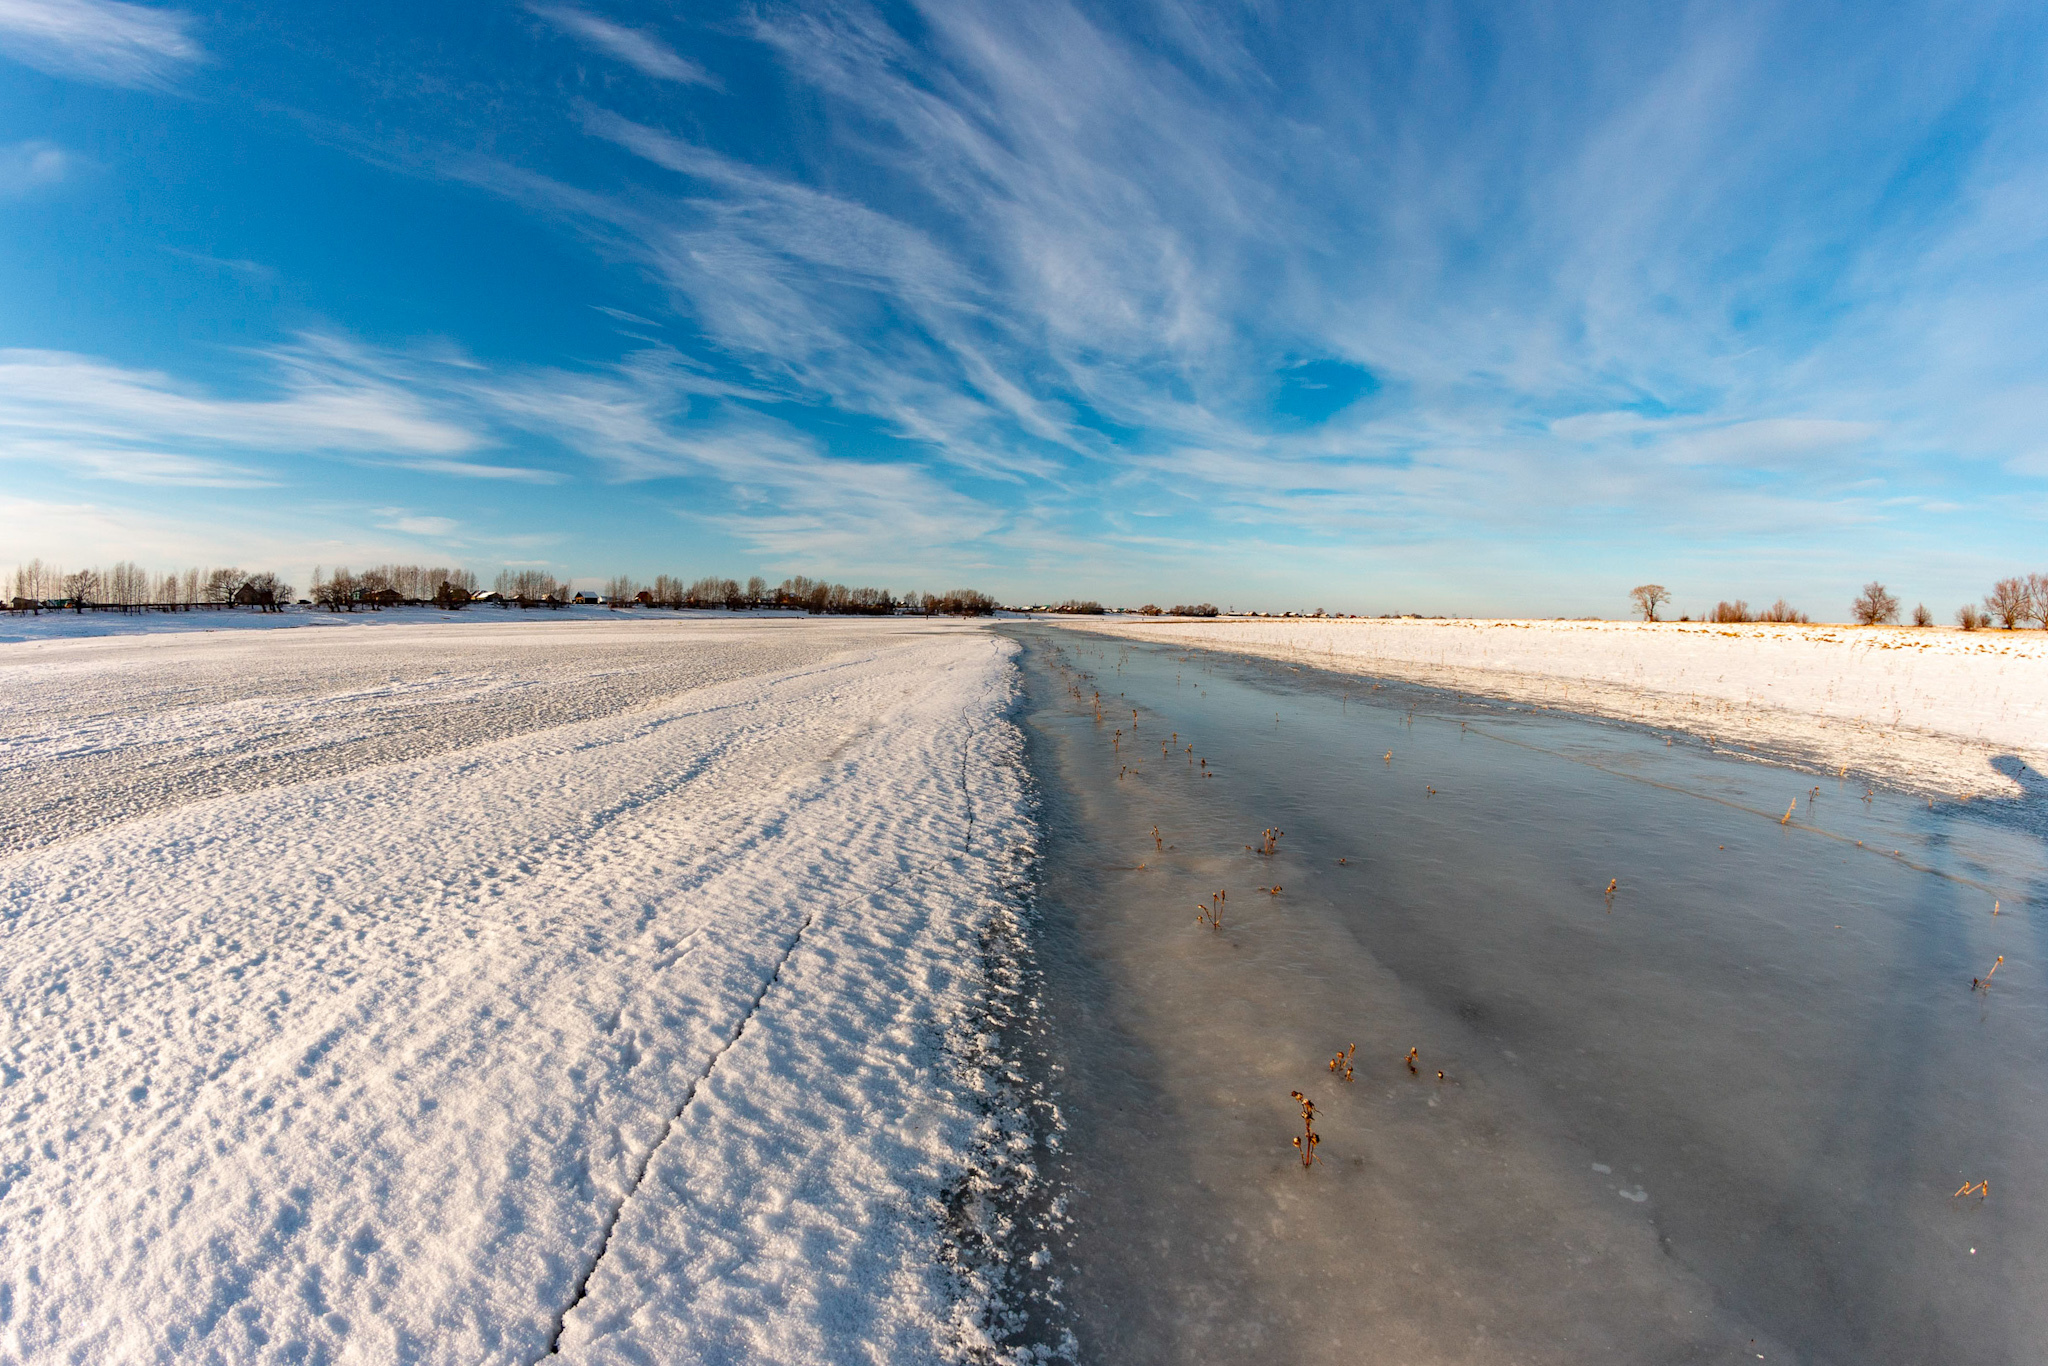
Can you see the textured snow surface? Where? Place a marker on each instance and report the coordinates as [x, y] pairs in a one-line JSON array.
[[380, 994], [1926, 708], [59, 624]]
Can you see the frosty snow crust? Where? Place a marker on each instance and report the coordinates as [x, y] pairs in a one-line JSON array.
[[694, 990]]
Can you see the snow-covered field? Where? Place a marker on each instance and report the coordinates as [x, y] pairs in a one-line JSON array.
[[452, 992], [1927, 709]]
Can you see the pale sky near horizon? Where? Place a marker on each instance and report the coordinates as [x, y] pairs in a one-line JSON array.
[[1491, 309]]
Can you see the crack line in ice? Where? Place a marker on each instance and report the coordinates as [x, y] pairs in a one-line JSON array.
[[582, 1291]]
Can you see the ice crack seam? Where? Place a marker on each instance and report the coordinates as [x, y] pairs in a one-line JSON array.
[[647, 1160]]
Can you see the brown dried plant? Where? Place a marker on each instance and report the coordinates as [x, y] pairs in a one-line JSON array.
[[1978, 1188], [1410, 1060], [1306, 1142], [1341, 1064]]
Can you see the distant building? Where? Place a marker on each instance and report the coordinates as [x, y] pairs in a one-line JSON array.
[[249, 595]]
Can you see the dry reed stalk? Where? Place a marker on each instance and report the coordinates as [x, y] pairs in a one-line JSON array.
[[1341, 1064], [1980, 1188]]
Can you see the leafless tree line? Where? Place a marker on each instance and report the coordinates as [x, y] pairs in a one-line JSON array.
[[815, 596], [1738, 610], [393, 585], [128, 585], [2011, 603]]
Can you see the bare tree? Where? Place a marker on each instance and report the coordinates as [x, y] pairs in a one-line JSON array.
[[1737, 610], [1970, 619], [1875, 605], [82, 586], [966, 602], [337, 593], [28, 582], [268, 591], [527, 587], [2009, 603], [619, 591], [1648, 598], [125, 584], [1922, 617], [757, 591], [2037, 597], [222, 583], [1781, 610]]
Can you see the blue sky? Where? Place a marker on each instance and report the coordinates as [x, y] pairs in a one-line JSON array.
[[1487, 310]]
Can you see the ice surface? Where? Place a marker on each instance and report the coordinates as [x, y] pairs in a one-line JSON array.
[[352, 979], [1718, 1116], [1926, 709]]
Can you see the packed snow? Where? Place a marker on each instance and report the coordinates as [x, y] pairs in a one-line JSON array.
[[1923, 708], [470, 991]]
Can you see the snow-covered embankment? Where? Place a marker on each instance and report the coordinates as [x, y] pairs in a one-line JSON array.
[[618, 1023], [1927, 709]]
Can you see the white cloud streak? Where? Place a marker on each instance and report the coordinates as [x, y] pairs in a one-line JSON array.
[[29, 166], [103, 41], [101, 420], [641, 51]]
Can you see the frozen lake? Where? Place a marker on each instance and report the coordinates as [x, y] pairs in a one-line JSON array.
[[1719, 1115]]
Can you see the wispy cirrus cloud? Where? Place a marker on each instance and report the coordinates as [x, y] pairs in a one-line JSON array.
[[652, 416], [142, 426], [638, 49], [29, 166], [107, 42]]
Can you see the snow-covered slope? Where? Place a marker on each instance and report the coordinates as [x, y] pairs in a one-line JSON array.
[[380, 995], [1929, 709]]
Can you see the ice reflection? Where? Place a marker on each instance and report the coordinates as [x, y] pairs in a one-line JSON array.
[[1716, 1114]]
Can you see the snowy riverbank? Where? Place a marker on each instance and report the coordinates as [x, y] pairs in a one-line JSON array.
[[1925, 709], [448, 992]]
